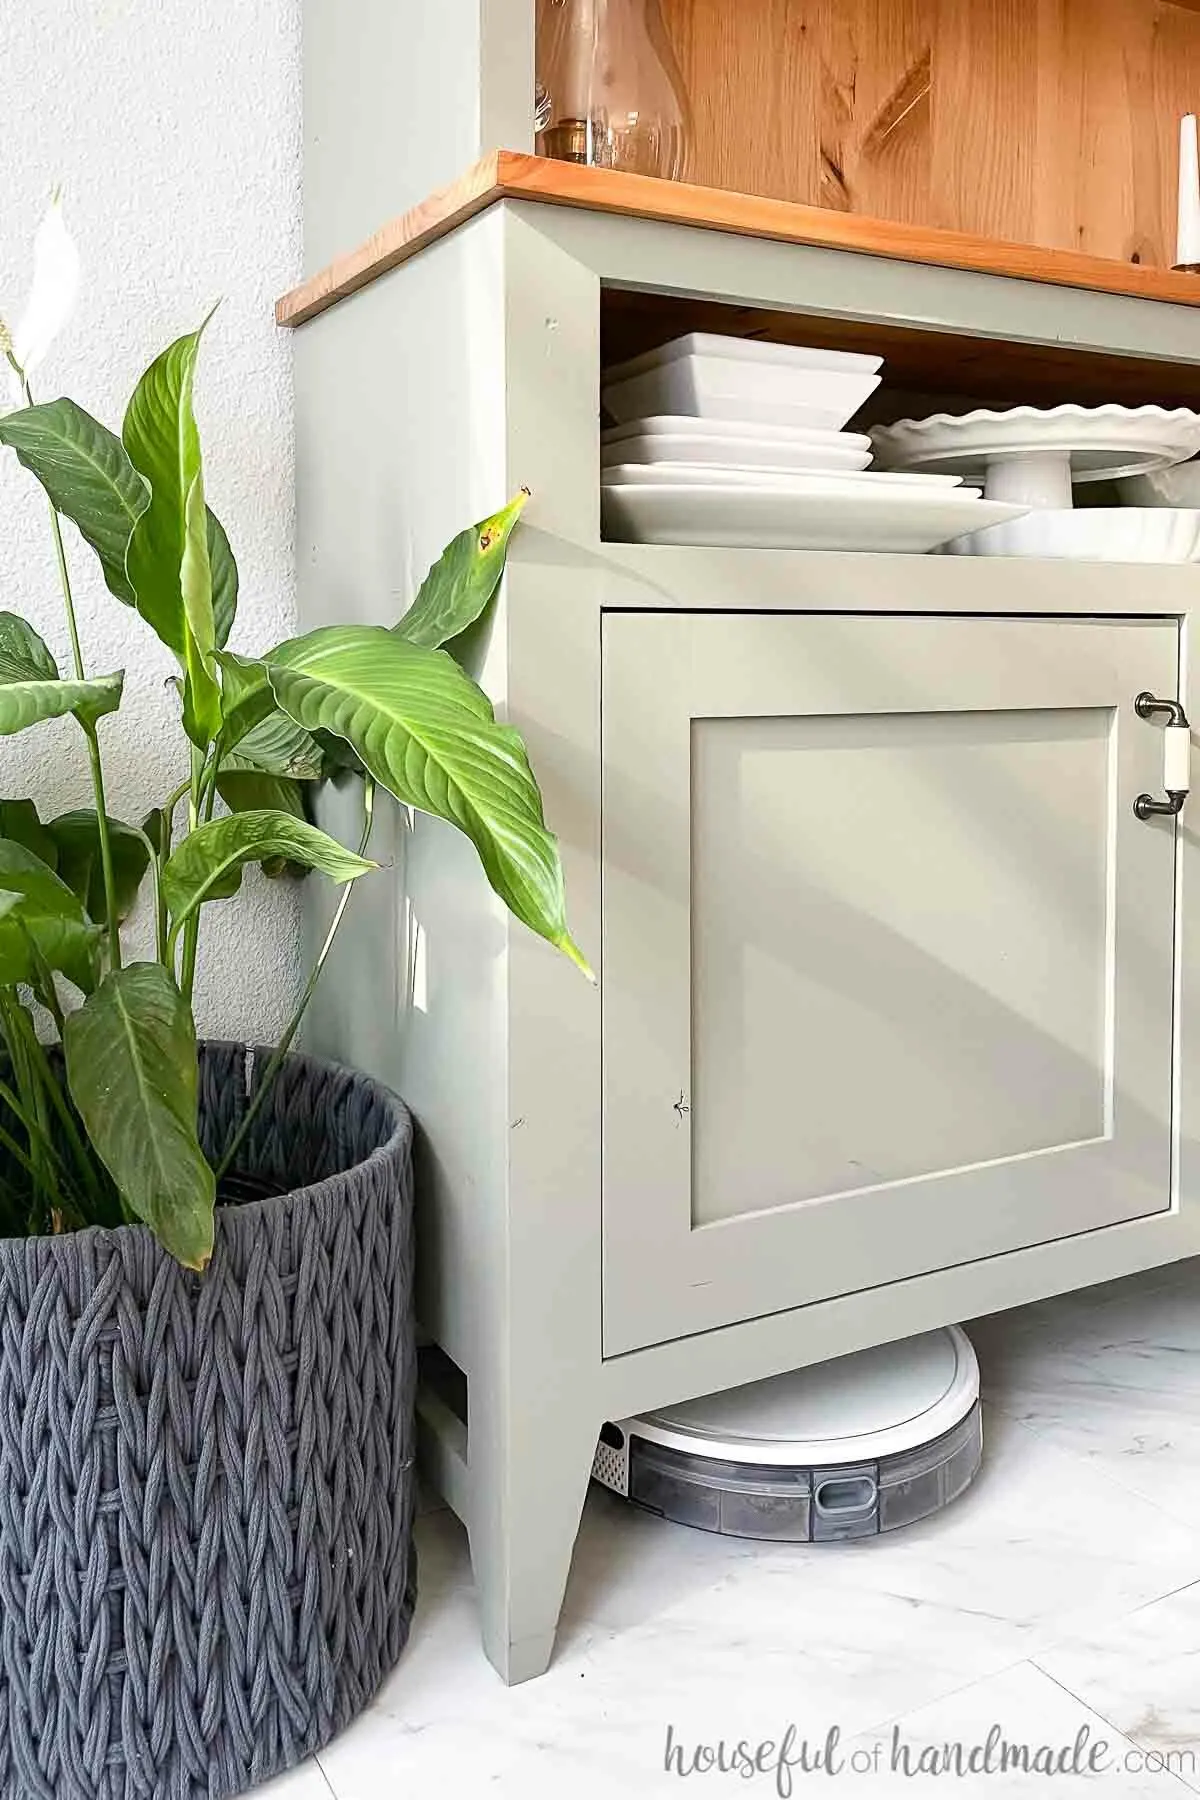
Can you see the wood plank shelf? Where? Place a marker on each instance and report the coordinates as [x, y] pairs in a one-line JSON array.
[[1051, 122], [505, 175]]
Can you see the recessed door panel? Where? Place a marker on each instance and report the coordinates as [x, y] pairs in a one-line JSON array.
[[887, 959]]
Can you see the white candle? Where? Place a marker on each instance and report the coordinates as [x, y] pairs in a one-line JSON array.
[[1188, 244]]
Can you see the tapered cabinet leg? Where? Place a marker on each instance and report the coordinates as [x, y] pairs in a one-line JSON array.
[[528, 1482]]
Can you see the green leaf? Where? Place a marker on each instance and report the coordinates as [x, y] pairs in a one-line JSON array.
[[19, 821], [76, 837], [201, 702], [224, 580], [201, 695], [48, 913], [87, 475], [209, 854], [340, 760], [463, 581], [132, 1072], [427, 734], [24, 655], [246, 697], [252, 790], [30, 688], [279, 747], [254, 732], [179, 558]]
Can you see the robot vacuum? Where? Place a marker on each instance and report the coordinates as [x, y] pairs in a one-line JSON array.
[[845, 1449]]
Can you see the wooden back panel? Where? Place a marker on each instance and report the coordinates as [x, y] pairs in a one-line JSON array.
[[1051, 122]]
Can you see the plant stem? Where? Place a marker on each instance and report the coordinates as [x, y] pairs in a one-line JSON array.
[[25, 1105], [191, 930], [211, 773], [41, 1070], [156, 868], [310, 987], [92, 736]]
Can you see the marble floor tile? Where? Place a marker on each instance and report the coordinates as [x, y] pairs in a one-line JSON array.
[[1117, 1383], [667, 1628], [1143, 1673], [1032, 1716], [1046, 1561]]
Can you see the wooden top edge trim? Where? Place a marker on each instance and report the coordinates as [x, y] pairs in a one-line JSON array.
[[506, 175]]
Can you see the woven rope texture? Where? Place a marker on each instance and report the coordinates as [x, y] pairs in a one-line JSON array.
[[206, 1484]]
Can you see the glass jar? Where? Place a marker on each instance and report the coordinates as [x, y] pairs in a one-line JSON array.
[[609, 90]]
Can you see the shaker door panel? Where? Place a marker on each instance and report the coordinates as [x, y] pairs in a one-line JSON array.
[[888, 959]]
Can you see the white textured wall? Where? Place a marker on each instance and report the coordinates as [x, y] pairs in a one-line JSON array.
[[174, 127]]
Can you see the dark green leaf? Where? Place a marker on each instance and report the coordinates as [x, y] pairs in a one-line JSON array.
[[19, 821], [30, 688], [77, 837], [208, 855], [252, 790], [85, 471], [155, 827], [459, 585], [224, 580], [48, 913], [24, 655], [340, 758], [132, 1071], [428, 735]]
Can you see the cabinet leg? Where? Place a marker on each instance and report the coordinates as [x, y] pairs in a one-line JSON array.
[[527, 1486]]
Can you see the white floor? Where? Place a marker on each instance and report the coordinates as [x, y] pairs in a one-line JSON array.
[[1062, 1592]]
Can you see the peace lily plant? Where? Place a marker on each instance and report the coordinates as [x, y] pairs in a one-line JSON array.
[[117, 1140]]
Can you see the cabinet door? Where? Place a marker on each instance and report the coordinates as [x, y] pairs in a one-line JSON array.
[[888, 959]]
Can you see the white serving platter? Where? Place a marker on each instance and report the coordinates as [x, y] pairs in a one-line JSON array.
[[824, 514], [847, 481], [733, 431]]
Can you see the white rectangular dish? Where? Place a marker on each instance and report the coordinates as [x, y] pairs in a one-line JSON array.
[[812, 397], [747, 350], [828, 516]]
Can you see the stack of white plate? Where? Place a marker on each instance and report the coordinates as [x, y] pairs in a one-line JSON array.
[[733, 442]]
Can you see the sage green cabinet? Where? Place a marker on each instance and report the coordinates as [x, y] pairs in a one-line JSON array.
[[898, 1003]]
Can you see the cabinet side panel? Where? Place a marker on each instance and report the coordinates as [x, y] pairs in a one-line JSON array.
[[400, 428]]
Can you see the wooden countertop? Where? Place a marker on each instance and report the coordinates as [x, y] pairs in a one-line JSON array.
[[505, 175]]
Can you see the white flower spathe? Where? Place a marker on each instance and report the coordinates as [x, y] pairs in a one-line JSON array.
[[53, 292]]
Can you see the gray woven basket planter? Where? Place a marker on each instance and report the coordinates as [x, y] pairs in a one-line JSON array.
[[206, 1485]]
